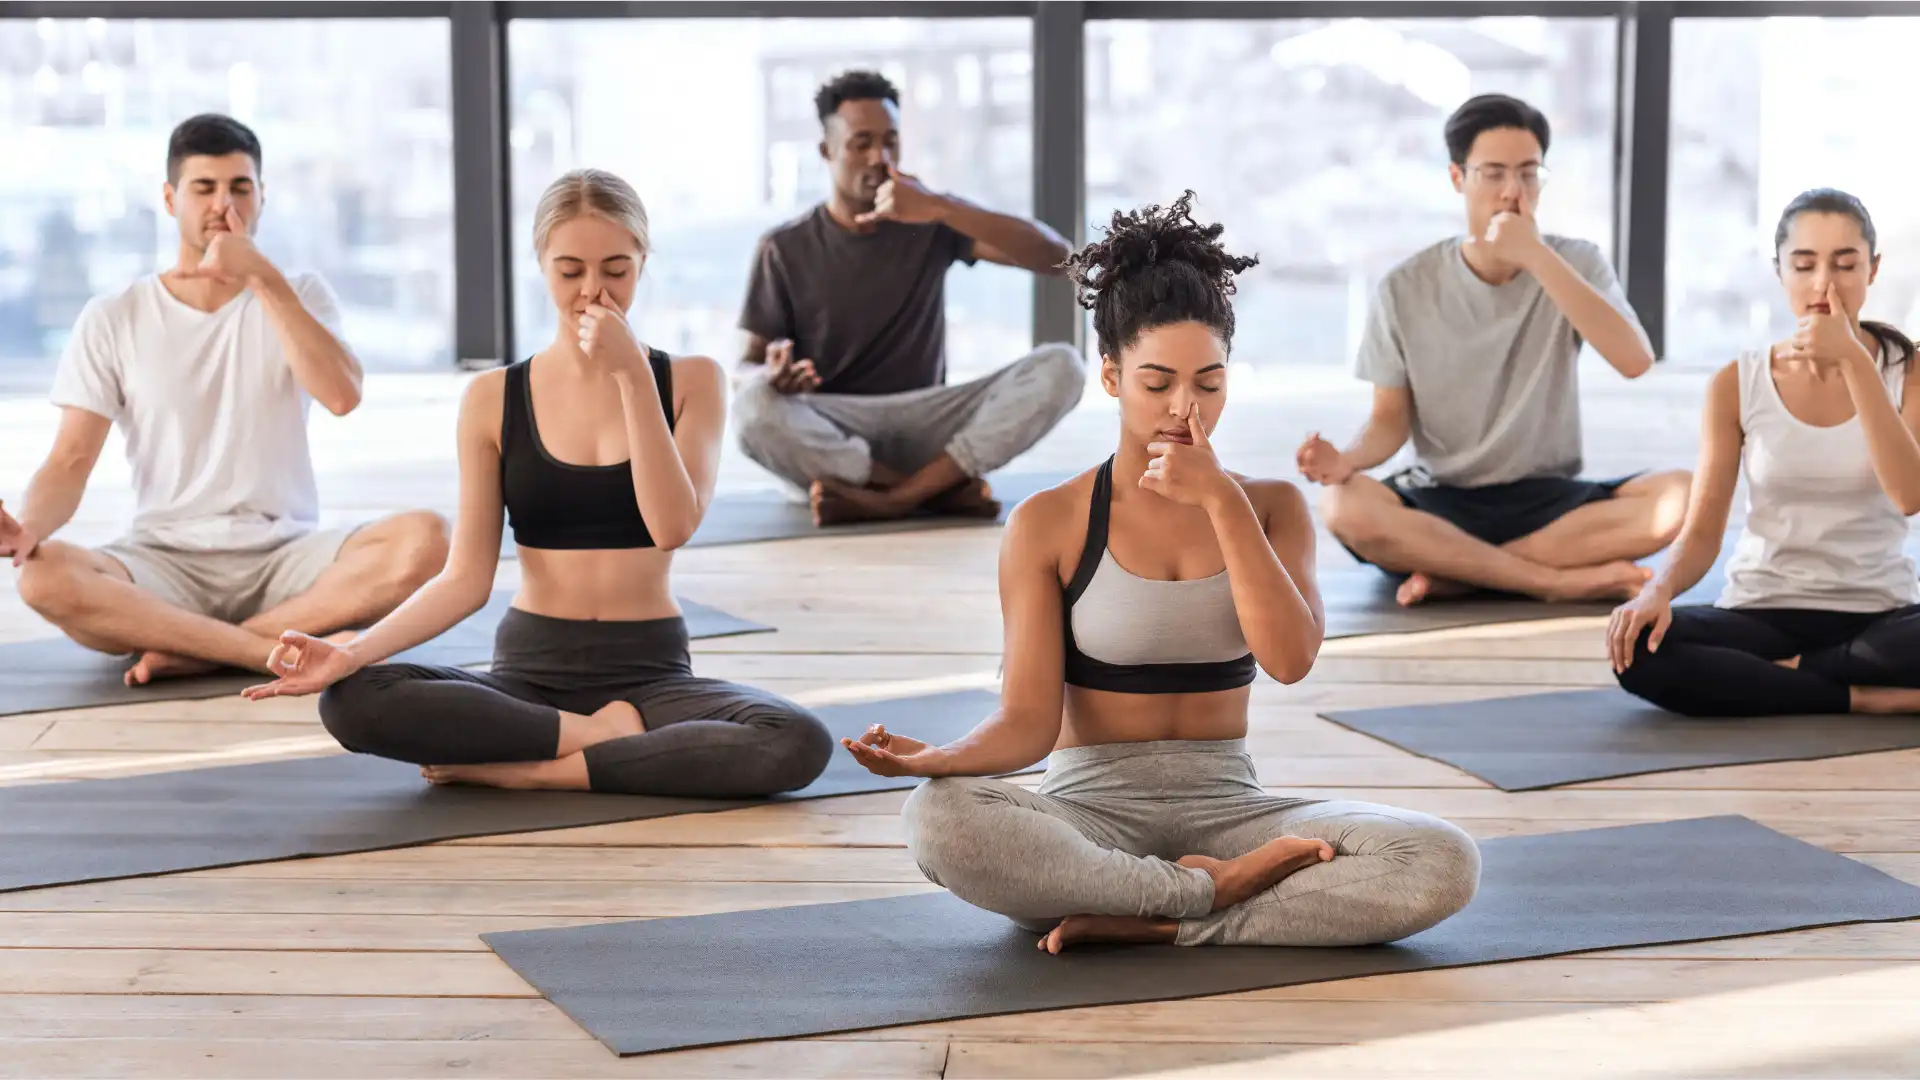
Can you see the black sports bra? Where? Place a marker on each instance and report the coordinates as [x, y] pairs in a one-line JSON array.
[[554, 505], [1132, 620]]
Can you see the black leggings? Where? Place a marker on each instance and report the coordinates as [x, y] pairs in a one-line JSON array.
[[704, 737], [1720, 661]]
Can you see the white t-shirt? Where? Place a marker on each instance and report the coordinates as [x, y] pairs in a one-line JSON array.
[[215, 422]]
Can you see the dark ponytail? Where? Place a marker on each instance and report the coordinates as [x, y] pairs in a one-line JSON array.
[[1835, 201], [1156, 267]]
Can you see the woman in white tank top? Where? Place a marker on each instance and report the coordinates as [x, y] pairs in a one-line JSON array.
[[1819, 614]]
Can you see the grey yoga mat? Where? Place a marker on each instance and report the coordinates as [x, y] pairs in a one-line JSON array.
[[56, 673], [1544, 740], [667, 984], [1361, 601], [162, 823], [751, 517]]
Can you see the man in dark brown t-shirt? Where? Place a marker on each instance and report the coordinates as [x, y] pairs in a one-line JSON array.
[[843, 387]]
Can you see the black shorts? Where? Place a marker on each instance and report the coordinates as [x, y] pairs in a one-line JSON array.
[[1499, 513]]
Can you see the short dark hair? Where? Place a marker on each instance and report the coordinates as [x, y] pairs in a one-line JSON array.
[[1490, 112], [857, 85], [1157, 267], [209, 135], [1828, 200]]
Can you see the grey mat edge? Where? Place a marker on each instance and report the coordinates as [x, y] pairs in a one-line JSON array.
[[1200, 996], [488, 937], [532, 830], [869, 784], [1334, 717]]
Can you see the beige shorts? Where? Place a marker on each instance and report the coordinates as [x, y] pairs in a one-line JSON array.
[[232, 586]]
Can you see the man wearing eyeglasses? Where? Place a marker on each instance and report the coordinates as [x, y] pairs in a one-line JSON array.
[[1472, 349]]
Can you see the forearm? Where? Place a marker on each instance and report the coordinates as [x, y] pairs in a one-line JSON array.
[[321, 364], [1890, 442], [1276, 620], [1693, 554], [669, 504], [432, 610], [1614, 336], [1032, 244], [998, 745], [1379, 439], [52, 497]]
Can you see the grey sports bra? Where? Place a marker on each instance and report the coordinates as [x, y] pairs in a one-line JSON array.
[[1136, 635]]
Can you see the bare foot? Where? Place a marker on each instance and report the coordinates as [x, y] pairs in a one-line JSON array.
[[974, 498], [1609, 581], [1420, 587], [1885, 700], [1791, 663], [614, 720], [565, 774], [1258, 870], [1132, 929], [835, 503], [154, 665]]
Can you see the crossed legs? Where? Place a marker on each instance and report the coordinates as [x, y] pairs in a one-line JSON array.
[[1586, 554], [92, 598], [1780, 662], [1253, 869], [876, 457]]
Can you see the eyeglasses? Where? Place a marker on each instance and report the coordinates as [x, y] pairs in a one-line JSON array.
[[1532, 177]]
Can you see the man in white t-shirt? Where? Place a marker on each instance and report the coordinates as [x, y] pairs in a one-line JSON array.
[[209, 368]]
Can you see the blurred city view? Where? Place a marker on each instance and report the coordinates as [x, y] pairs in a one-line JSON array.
[[1317, 141]]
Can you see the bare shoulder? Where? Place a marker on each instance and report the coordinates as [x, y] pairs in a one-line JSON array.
[[1053, 521], [698, 371], [1724, 388], [483, 407], [1048, 508], [1278, 502], [485, 395]]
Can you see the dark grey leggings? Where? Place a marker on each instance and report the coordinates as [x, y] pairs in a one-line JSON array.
[[704, 737], [1720, 661]]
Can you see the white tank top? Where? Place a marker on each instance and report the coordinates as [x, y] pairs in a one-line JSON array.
[[1820, 532]]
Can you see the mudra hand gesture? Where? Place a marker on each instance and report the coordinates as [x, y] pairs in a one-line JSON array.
[[885, 754]]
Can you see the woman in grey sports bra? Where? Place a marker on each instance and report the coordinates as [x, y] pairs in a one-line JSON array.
[[1821, 610], [1141, 599]]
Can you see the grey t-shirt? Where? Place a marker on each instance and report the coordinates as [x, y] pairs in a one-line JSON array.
[[869, 309], [1492, 368]]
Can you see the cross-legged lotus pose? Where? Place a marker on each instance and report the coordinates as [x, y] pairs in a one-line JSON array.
[[209, 369], [1819, 613], [1472, 348], [842, 390], [1140, 600], [602, 454]]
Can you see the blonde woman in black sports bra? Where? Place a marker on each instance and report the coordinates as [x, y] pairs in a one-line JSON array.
[[1141, 599], [601, 454]]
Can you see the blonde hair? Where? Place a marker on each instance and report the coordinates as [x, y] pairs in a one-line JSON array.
[[589, 191]]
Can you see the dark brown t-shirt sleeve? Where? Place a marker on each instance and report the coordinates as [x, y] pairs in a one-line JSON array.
[[959, 246], [768, 311]]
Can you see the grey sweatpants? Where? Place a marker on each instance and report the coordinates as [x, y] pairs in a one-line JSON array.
[[1101, 835], [982, 424]]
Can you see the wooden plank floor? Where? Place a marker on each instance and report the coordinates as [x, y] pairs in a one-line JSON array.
[[371, 965]]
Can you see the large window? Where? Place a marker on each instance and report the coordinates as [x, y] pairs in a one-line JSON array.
[[1762, 110], [355, 127], [1318, 143], [713, 123]]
